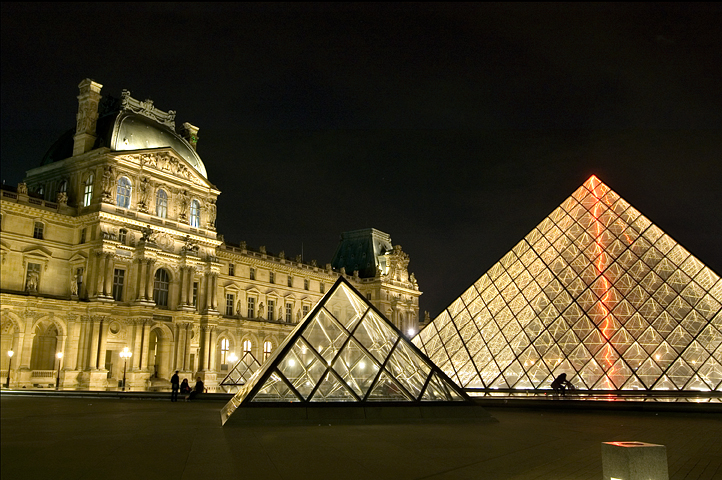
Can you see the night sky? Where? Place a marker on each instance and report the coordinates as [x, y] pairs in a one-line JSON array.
[[456, 128]]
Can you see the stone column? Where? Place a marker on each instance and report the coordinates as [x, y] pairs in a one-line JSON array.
[[214, 292], [136, 345], [183, 280], [82, 355], [149, 281], [109, 265], [94, 331], [103, 343], [144, 346], [142, 277], [23, 352], [100, 275], [187, 351], [212, 349], [71, 356], [203, 351], [189, 290]]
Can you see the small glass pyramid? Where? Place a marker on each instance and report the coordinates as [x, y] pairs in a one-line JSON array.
[[241, 372], [595, 291], [346, 351]]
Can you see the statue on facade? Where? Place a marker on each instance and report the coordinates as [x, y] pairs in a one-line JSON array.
[[108, 183], [342, 270], [189, 246], [32, 284], [212, 213], [23, 188], [146, 233], [280, 313], [144, 188], [282, 254], [298, 258], [74, 285], [412, 279], [238, 308], [262, 249], [62, 198], [298, 315], [182, 205], [261, 310]]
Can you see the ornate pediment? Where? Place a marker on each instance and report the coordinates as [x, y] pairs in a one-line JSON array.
[[147, 109], [166, 161]]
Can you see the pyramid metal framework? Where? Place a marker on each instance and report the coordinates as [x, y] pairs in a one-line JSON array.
[[241, 372], [345, 350], [595, 291]]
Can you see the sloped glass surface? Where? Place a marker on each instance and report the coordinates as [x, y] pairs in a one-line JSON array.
[[601, 293], [386, 390]]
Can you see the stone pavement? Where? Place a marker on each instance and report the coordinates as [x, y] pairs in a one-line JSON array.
[[100, 438]]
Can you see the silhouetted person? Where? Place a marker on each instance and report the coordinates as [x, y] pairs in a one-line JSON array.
[[559, 385], [185, 388], [199, 388], [174, 387]]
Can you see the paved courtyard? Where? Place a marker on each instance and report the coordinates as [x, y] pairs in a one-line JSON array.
[[97, 438]]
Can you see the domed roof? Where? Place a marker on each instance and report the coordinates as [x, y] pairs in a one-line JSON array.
[[129, 125]]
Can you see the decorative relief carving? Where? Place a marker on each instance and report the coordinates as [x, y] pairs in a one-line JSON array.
[[23, 188], [168, 163], [147, 109], [62, 198]]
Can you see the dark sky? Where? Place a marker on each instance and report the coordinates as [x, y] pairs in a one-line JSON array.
[[456, 128]]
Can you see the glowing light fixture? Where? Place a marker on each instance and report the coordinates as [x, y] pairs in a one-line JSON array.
[[10, 354], [60, 363], [125, 355]]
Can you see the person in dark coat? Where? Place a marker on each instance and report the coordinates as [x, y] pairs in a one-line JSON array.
[[185, 388], [174, 387], [199, 388], [559, 385]]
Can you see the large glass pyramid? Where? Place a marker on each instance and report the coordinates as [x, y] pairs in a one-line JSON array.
[[241, 372], [595, 291], [346, 351]]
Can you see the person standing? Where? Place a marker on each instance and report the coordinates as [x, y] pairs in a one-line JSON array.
[[174, 387]]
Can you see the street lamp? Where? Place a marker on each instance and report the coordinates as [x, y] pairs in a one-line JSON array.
[[60, 363], [10, 362], [125, 355]]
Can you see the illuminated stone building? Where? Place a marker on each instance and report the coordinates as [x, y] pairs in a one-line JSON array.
[[595, 291], [111, 243]]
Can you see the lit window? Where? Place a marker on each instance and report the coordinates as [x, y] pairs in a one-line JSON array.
[[38, 230], [160, 287], [289, 312], [161, 204], [40, 190], [230, 300], [123, 235], [88, 191], [118, 281], [231, 269], [272, 277], [253, 273], [225, 346], [63, 187], [271, 308], [267, 347], [122, 199], [195, 213], [251, 307], [247, 345], [290, 281], [305, 284]]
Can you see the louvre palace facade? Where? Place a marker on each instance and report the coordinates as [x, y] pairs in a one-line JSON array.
[[111, 244]]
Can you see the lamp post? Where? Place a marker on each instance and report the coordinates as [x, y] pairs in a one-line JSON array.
[[10, 362], [60, 364], [125, 355]]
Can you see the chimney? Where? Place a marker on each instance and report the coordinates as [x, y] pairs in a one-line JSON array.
[[190, 133], [87, 119]]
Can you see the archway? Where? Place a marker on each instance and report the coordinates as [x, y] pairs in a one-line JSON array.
[[9, 331], [159, 350], [45, 344]]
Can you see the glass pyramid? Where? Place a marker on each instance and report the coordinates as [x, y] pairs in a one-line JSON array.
[[240, 373], [346, 351], [596, 291]]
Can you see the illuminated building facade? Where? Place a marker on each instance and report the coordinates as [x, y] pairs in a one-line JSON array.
[[596, 291], [111, 243]]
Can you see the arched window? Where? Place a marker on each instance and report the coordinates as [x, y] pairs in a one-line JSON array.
[[122, 199], [247, 345], [267, 347], [160, 287], [161, 204], [195, 213], [88, 191], [225, 345], [63, 187]]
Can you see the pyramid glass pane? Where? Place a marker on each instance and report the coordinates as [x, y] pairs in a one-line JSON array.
[[346, 351], [600, 293]]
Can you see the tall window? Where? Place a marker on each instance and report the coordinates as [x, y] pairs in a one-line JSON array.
[[122, 199], [123, 236], [231, 269], [290, 281], [195, 294], [251, 307], [230, 299], [118, 282], [247, 346], [289, 312], [267, 347], [38, 230], [225, 346], [82, 235], [195, 213], [88, 190], [161, 204], [253, 273], [271, 277], [271, 310], [305, 283], [322, 288], [305, 310], [160, 287]]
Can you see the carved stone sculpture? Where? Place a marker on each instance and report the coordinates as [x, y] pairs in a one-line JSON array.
[[62, 198], [212, 214], [144, 187], [23, 188], [32, 284], [108, 184], [261, 310], [182, 205], [74, 285]]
